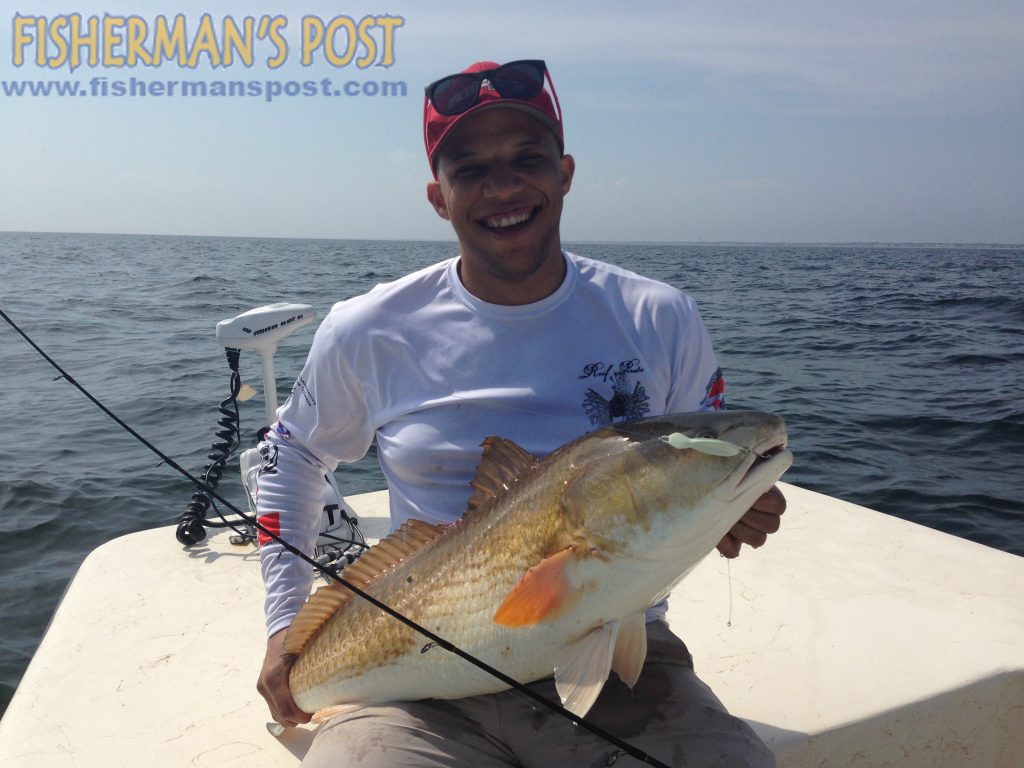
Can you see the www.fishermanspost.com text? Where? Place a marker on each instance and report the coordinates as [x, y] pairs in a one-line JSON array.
[[266, 89]]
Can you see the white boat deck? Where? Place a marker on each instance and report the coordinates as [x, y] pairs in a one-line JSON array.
[[851, 639]]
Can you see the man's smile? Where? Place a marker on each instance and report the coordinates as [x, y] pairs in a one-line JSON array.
[[507, 220]]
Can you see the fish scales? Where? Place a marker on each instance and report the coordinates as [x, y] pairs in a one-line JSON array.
[[446, 588]]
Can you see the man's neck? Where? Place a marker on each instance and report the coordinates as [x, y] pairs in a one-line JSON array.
[[514, 290]]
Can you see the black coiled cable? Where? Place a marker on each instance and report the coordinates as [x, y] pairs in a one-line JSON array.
[[191, 526]]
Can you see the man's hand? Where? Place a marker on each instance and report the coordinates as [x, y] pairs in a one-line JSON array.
[[273, 684], [753, 528]]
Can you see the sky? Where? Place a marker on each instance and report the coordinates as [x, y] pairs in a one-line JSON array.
[[744, 121]]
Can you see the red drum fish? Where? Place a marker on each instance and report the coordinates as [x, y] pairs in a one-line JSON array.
[[548, 572]]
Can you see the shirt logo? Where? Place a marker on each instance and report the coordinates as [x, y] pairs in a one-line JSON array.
[[301, 387], [628, 398], [714, 395], [268, 456]]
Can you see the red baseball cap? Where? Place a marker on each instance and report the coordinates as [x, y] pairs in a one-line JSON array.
[[485, 84]]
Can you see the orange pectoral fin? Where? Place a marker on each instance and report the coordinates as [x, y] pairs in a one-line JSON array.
[[543, 593]]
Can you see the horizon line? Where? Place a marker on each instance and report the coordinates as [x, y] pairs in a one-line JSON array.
[[792, 243]]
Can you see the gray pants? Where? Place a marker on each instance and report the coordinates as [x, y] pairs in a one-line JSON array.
[[670, 714]]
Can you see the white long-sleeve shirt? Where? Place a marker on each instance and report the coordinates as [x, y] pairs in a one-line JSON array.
[[429, 370]]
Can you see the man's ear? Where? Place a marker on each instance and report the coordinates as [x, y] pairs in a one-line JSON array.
[[568, 167], [436, 198]]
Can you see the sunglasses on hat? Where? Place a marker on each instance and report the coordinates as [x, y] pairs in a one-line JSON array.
[[454, 94]]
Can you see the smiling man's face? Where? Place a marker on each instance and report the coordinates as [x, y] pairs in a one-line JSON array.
[[501, 180]]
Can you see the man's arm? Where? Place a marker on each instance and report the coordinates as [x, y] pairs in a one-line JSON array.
[[290, 503]]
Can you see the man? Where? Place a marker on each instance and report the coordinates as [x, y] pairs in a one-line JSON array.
[[513, 337]]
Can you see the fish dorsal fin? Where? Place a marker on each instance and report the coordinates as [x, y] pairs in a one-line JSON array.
[[371, 566], [502, 462]]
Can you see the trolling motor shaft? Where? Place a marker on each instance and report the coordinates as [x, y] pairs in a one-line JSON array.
[[260, 329]]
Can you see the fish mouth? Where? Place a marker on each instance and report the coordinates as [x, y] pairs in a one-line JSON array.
[[767, 451], [765, 464]]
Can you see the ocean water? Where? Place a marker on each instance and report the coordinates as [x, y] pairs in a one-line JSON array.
[[899, 370]]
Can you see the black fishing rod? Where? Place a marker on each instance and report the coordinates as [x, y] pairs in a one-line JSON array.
[[439, 641]]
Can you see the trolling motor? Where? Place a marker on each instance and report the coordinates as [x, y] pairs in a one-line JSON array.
[[261, 330]]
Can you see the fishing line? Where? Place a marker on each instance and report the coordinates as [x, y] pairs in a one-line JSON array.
[[633, 751], [728, 572]]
